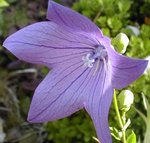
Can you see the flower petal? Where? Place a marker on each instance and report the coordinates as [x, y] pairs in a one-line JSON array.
[[47, 43], [67, 17], [124, 70], [61, 93], [98, 103]]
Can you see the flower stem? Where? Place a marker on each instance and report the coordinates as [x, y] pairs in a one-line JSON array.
[[121, 124]]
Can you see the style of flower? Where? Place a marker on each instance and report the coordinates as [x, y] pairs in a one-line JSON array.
[[85, 68]]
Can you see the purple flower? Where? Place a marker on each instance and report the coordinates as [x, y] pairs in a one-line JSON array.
[[85, 69]]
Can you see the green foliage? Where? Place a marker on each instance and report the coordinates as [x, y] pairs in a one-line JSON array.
[[145, 31], [139, 46], [131, 138], [116, 133], [88, 8], [146, 118], [102, 13], [145, 8], [3, 3], [74, 129]]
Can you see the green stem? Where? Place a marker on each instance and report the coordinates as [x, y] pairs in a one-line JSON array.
[[119, 118], [147, 134], [123, 136], [124, 117]]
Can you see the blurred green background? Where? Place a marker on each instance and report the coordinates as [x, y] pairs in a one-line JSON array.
[[18, 79]]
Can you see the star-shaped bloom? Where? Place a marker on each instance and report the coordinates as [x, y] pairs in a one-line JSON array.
[[85, 69]]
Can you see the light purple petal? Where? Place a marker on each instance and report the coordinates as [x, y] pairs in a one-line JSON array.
[[98, 103], [61, 93], [67, 17], [47, 43], [124, 70]]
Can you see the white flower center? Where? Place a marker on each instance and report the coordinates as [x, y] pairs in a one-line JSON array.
[[99, 53], [87, 61]]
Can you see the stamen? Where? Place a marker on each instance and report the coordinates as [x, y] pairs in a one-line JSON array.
[[97, 67], [98, 54], [105, 64], [87, 61]]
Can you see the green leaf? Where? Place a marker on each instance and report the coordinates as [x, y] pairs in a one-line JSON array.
[[102, 21], [106, 31], [141, 114], [124, 6], [114, 23], [147, 106], [131, 138], [145, 30], [3, 3], [116, 133]]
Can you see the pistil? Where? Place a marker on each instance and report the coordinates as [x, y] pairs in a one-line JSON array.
[[98, 54]]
